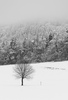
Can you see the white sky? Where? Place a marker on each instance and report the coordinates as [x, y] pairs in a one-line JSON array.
[[12, 11]]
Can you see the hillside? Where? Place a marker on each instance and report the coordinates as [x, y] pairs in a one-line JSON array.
[[46, 83]]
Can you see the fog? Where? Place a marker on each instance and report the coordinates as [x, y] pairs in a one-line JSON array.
[[13, 11]]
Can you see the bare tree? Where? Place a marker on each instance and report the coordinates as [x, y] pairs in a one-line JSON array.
[[23, 71]]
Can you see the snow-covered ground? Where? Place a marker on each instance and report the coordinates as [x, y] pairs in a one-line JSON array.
[[50, 82]]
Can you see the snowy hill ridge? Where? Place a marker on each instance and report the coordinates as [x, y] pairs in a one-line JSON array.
[[62, 64]]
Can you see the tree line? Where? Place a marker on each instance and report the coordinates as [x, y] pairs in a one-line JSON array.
[[34, 51], [36, 45]]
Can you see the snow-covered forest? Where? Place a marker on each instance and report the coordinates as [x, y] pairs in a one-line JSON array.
[[33, 42]]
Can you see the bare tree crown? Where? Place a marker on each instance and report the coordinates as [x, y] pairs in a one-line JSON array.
[[23, 71]]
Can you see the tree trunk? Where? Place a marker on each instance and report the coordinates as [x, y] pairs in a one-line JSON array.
[[22, 81]]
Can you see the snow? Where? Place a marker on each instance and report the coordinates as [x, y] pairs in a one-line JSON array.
[[49, 82]]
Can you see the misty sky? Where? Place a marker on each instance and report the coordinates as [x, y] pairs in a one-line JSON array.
[[12, 11]]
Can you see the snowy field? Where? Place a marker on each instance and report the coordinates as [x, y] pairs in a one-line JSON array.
[[50, 82]]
